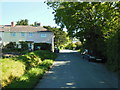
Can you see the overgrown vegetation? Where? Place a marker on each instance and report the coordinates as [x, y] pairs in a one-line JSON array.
[[42, 46], [74, 46], [22, 47], [95, 24], [61, 37], [12, 47], [10, 70], [25, 70]]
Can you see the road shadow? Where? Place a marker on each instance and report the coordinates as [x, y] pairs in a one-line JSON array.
[[71, 71]]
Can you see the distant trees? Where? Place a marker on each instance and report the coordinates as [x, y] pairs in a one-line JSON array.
[[60, 36], [95, 24], [22, 22], [25, 22]]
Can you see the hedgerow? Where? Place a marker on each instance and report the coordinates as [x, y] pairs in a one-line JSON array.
[[24, 71]]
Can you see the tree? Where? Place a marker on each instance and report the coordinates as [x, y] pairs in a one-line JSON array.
[[95, 24], [60, 36], [22, 22]]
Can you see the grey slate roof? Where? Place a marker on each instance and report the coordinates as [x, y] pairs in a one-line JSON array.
[[21, 28]]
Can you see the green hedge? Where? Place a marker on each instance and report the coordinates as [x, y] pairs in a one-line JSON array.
[[113, 52], [43, 46], [10, 70], [25, 70]]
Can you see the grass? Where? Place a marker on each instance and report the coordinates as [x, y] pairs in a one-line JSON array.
[[11, 69], [25, 71]]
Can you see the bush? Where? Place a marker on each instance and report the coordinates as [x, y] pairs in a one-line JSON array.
[[43, 46], [29, 79], [113, 52], [13, 47], [45, 54], [29, 59], [9, 47], [24, 45], [47, 63], [25, 70], [71, 46], [11, 69], [78, 45]]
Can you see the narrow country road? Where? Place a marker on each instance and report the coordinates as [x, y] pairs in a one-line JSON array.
[[71, 71]]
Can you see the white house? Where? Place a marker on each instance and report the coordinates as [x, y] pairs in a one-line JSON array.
[[32, 34]]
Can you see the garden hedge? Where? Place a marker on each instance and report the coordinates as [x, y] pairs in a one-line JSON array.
[[24, 71]]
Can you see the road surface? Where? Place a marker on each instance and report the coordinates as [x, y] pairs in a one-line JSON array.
[[71, 71]]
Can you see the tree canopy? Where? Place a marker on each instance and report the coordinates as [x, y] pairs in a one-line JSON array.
[[95, 24], [22, 22], [60, 36]]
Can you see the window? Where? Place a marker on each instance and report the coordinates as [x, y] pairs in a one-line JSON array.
[[30, 34], [43, 35], [22, 34], [13, 34]]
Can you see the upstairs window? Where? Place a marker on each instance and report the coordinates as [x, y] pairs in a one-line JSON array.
[[43, 35], [22, 34], [30, 34], [13, 34]]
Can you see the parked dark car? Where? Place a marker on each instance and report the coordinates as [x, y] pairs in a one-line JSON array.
[[95, 59], [88, 55]]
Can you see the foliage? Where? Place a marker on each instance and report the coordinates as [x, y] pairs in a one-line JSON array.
[[24, 45], [45, 54], [9, 47], [29, 59], [29, 79], [47, 63], [95, 24], [22, 22], [35, 24], [113, 53], [13, 47], [60, 35], [78, 45], [33, 59], [10, 70], [70, 46], [25, 70], [43, 46]]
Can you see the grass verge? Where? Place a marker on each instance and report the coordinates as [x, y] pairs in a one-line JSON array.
[[26, 70]]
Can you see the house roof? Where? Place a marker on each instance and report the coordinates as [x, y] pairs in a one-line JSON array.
[[21, 28]]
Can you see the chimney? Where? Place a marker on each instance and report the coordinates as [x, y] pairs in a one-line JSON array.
[[12, 24]]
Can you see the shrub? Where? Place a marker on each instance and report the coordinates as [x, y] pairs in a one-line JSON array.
[[28, 80], [29, 59], [31, 77], [9, 47], [45, 54], [78, 45], [71, 46], [47, 63], [24, 45], [113, 52], [43, 46], [11, 69], [25, 70]]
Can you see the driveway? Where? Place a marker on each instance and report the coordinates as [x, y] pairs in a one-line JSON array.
[[71, 71]]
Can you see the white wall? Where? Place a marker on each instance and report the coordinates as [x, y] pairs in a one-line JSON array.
[[36, 37]]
